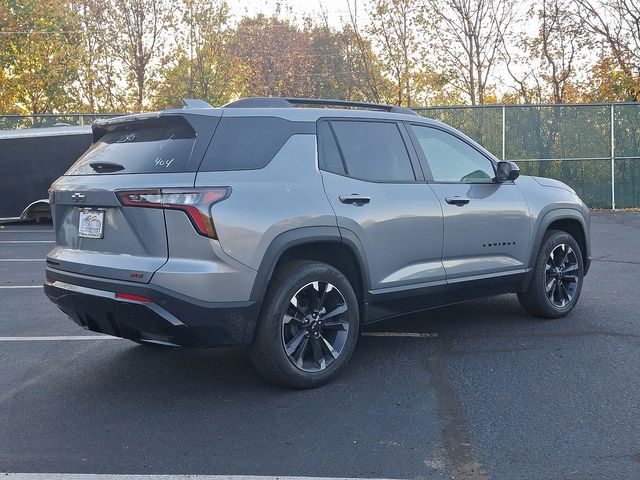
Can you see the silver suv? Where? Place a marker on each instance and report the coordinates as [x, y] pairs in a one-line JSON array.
[[283, 228]]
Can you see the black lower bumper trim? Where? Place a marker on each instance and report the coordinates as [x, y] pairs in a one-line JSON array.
[[201, 324]]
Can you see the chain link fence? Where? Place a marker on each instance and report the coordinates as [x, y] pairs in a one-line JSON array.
[[594, 148]]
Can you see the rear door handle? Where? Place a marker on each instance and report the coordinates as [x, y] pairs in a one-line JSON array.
[[354, 199], [457, 200]]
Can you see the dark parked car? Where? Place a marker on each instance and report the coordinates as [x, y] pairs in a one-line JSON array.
[[31, 159]]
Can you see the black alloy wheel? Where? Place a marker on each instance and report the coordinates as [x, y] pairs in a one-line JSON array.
[[315, 329]]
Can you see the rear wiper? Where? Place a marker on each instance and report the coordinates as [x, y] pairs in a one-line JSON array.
[[106, 167]]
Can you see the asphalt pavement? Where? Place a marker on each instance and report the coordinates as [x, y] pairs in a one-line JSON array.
[[486, 392]]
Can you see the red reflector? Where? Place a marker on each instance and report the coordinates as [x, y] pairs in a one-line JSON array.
[[137, 298]]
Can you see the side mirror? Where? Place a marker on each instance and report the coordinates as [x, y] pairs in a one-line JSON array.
[[507, 171]]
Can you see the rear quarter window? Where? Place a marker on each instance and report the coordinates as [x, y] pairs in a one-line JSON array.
[[249, 143], [150, 146]]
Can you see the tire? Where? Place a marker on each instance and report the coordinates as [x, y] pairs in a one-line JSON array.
[[292, 327], [556, 281]]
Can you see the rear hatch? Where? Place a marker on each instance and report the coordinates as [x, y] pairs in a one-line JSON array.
[[138, 158]]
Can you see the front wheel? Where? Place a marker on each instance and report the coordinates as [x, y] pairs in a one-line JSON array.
[[308, 327], [556, 279]]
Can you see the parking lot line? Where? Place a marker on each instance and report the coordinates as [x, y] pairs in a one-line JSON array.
[[19, 286], [27, 241], [103, 476], [5, 230], [108, 337], [22, 259], [59, 338], [400, 334]]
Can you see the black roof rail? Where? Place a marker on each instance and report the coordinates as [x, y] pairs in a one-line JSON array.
[[349, 103], [280, 102]]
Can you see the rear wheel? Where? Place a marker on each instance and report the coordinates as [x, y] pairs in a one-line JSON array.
[[556, 279], [308, 327]]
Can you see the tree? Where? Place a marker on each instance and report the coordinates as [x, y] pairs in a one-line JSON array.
[[607, 82], [361, 52], [137, 33], [274, 57], [547, 68], [616, 23], [344, 65], [394, 27], [201, 65], [37, 55], [97, 86], [470, 34]]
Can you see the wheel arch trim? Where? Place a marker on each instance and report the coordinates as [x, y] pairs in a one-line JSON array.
[[29, 208], [550, 217], [303, 236]]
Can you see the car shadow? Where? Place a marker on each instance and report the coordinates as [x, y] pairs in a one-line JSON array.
[[131, 368]]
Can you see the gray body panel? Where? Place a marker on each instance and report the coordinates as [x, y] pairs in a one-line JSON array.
[[488, 235], [134, 238], [198, 267], [286, 194], [400, 229]]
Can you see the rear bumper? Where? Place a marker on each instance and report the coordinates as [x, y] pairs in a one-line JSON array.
[[168, 318]]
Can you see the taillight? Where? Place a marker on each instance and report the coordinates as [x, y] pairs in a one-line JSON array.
[[195, 202]]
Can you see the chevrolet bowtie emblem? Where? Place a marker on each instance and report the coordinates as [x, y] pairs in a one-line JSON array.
[[78, 198]]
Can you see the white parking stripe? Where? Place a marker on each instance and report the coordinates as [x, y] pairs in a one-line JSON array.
[[59, 338], [107, 337], [102, 476], [27, 241], [400, 334], [20, 286], [22, 259], [4, 230]]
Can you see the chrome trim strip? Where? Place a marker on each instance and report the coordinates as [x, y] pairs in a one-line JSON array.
[[162, 312], [85, 290], [111, 295], [487, 276]]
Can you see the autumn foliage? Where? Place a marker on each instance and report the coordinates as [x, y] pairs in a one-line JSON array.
[[132, 55]]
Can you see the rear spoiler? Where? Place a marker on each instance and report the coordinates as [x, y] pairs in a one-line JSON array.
[[100, 127]]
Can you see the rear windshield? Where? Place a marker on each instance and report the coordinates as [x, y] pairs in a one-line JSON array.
[[150, 146]]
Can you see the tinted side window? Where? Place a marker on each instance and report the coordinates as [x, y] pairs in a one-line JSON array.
[[452, 160], [373, 151], [247, 143], [150, 146], [330, 159]]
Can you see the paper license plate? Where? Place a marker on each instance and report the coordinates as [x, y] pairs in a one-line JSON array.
[[91, 223]]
